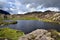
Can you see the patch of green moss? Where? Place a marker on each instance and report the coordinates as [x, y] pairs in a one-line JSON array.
[[10, 33]]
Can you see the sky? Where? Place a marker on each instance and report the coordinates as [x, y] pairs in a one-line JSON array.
[[23, 6]]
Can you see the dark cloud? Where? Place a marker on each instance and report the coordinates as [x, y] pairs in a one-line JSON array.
[[47, 3], [16, 6], [1, 5]]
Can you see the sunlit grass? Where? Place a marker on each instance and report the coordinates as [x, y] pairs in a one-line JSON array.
[[25, 18], [10, 34]]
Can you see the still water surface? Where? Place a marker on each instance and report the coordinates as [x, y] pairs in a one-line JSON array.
[[30, 25]]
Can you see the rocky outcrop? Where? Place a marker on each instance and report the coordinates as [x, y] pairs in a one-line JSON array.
[[38, 34]]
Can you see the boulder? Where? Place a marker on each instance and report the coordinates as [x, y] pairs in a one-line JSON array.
[[39, 34]]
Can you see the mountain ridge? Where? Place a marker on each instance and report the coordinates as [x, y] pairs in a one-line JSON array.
[[4, 12]]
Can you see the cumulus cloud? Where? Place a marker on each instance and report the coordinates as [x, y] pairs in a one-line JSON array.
[[28, 5], [21, 6], [52, 9]]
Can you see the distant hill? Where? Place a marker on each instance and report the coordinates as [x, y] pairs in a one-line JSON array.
[[51, 15], [46, 16], [4, 12]]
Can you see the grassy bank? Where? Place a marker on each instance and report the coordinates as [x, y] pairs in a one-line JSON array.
[[10, 34], [34, 18], [25, 18], [2, 23], [47, 20]]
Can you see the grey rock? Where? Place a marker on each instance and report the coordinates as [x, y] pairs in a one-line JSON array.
[[39, 34]]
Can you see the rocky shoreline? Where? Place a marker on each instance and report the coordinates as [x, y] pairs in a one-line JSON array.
[[41, 34]]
